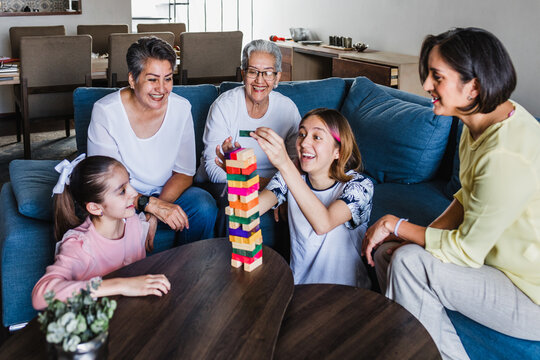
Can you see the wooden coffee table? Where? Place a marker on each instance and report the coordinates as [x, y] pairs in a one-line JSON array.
[[341, 322], [213, 310]]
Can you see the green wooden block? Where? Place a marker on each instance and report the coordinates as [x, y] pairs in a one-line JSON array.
[[240, 177], [246, 252], [245, 133], [243, 220]]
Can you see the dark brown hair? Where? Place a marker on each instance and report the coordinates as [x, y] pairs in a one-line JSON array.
[[88, 183], [349, 154], [475, 54]]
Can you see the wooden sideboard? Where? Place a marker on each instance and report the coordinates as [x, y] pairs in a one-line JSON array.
[[309, 62]]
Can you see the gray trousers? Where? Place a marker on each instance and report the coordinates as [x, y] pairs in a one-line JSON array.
[[425, 286]]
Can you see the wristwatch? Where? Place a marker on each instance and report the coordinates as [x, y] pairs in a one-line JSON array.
[[142, 201]]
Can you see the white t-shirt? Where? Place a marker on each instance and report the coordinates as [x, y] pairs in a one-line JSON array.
[[228, 114], [334, 257], [150, 162]]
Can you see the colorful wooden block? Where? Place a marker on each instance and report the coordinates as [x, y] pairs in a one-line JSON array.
[[233, 170], [244, 206], [243, 220], [245, 154], [246, 247], [248, 198], [234, 225], [240, 177], [243, 184], [231, 154], [239, 232], [236, 263], [244, 133], [248, 253], [251, 168], [233, 198], [255, 264], [243, 191], [246, 213], [250, 226], [246, 240], [242, 164], [229, 211], [245, 259]]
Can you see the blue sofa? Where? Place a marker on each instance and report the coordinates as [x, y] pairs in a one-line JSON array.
[[410, 154]]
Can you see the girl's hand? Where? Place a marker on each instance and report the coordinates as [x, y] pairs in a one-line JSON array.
[[145, 285], [375, 235], [226, 146], [171, 214], [273, 146], [152, 221]]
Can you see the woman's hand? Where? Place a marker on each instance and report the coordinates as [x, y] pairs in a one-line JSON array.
[[226, 146], [273, 146], [152, 221], [145, 285], [171, 214], [375, 235]]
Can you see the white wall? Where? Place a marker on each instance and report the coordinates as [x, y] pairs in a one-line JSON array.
[[400, 26], [94, 12]]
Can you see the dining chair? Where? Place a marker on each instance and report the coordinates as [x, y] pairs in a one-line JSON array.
[[117, 71], [48, 80], [210, 57], [100, 35], [15, 35], [175, 28]]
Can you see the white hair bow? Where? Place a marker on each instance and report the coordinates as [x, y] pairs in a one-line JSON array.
[[65, 168]]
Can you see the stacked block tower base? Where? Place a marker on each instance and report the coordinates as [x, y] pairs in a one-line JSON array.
[[243, 210]]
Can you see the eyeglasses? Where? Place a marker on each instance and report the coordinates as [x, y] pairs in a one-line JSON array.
[[267, 75]]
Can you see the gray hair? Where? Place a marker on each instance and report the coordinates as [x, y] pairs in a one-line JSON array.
[[148, 48], [264, 46]]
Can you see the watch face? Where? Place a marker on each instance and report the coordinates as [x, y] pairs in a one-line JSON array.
[[142, 202]]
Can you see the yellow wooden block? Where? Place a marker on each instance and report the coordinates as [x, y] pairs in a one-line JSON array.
[[248, 227], [248, 198], [253, 265], [245, 154], [232, 197], [236, 263], [229, 211], [247, 247], [253, 239], [234, 225], [243, 184], [246, 213]]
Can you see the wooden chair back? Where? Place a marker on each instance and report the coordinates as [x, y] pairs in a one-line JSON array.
[[117, 71], [210, 57], [51, 68], [175, 28], [100, 35], [17, 32]]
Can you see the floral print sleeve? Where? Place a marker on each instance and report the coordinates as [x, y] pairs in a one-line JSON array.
[[358, 195], [279, 188]]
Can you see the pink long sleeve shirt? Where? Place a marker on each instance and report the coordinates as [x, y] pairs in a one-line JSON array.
[[83, 254]]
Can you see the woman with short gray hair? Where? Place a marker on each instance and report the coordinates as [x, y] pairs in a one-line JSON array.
[[248, 107], [146, 122]]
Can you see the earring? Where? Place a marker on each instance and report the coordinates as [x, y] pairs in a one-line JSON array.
[[101, 213], [469, 98]]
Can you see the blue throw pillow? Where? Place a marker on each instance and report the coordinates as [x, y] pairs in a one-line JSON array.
[[32, 182], [400, 141], [307, 95]]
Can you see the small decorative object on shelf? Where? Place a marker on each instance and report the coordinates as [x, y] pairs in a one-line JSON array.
[[79, 326], [359, 46]]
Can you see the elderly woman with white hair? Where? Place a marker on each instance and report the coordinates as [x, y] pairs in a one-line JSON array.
[[248, 107]]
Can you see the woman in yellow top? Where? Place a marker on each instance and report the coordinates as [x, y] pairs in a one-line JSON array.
[[481, 257]]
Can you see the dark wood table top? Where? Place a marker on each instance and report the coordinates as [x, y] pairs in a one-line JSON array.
[[341, 322], [213, 310]]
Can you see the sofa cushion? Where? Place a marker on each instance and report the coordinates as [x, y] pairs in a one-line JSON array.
[[32, 182], [307, 95], [400, 141], [420, 203]]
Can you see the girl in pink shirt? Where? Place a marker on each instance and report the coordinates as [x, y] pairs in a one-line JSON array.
[[94, 209]]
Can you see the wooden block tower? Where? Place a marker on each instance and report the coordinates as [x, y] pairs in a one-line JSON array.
[[243, 210]]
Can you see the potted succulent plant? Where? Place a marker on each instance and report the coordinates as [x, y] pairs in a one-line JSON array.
[[79, 325]]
